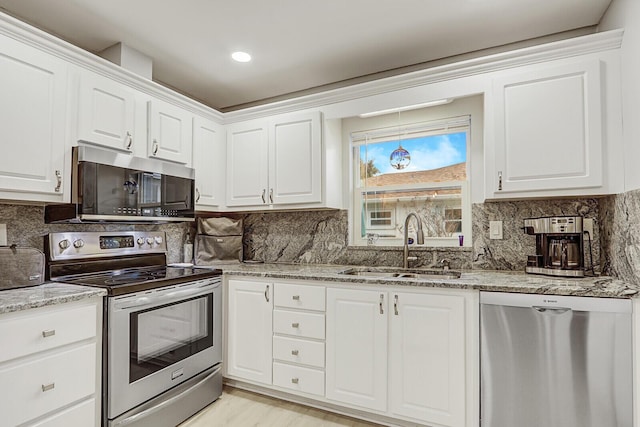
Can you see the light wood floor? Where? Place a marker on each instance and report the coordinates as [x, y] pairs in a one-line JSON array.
[[240, 408]]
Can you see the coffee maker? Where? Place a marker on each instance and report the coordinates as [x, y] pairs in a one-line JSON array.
[[559, 246]]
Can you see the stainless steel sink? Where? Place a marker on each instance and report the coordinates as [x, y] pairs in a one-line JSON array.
[[426, 274]]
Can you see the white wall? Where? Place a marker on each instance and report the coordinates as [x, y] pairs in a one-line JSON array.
[[626, 14]]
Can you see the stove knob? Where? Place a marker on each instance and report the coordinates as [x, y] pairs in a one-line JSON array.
[[149, 241], [158, 240], [64, 244], [140, 241], [78, 243]]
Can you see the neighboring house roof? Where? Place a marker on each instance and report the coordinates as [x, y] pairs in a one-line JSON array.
[[457, 172]]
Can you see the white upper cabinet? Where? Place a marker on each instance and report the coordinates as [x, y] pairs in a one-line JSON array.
[[549, 123], [275, 161], [247, 163], [209, 161], [33, 90], [106, 111], [295, 159], [170, 132]]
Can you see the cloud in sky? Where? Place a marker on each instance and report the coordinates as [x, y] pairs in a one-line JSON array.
[[431, 152]]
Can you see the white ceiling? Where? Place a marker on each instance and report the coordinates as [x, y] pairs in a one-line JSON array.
[[296, 44]]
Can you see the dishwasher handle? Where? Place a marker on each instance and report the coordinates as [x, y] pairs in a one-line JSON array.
[[551, 310]]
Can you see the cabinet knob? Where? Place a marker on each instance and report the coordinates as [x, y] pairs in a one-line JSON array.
[[294, 352], [294, 380], [296, 297], [47, 387], [48, 333], [295, 325]]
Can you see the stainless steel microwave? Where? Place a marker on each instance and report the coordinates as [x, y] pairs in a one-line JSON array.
[[111, 186]]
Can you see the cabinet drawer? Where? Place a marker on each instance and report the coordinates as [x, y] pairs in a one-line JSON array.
[[306, 380], [299, 296], [83, 414], [300, 324], [299, 351], [37, 331], [47, 384]]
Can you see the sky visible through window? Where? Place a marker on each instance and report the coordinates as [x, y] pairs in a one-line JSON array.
[[429, 152]]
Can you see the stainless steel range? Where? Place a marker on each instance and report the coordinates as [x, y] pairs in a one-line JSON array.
[[162, 338]]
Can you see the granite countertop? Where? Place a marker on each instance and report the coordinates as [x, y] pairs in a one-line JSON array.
[[497, 281], [49, 293]]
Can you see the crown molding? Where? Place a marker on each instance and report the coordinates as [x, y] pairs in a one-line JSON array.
[[592, 43], [32, 36], [567, 48]]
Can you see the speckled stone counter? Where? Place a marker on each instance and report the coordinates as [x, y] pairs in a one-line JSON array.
[[44, 295], [496, 281]]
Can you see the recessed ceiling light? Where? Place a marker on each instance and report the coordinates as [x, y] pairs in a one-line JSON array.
[[241, 56]]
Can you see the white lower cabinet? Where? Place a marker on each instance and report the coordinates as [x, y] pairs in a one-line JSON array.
[[249, 330], [402, 357], [50, 376], [357, 347], [427, 357]]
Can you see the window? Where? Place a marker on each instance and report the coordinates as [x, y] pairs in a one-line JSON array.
[[416, 167]]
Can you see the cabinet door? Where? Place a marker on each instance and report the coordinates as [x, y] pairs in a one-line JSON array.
[[209, 161], [295, 159], [247, 164], [249, 330], [548, 124], [33, 92], [105, 112], [356, 347], [170, 132], [427, 358]]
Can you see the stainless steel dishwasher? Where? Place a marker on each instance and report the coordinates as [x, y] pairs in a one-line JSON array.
[[555, 361]]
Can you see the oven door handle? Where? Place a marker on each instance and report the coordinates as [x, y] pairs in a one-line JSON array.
[[141, 415], [160, 297]]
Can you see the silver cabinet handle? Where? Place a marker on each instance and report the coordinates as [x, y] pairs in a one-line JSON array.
[[271, 195], [155, 147], [129, 140], [294, 352], [197, 195], [295, 325], [59, 181], [395, 304], [381, 301], [296, 297], [266, 293], [294, 380], [47, 387], [48, 333], [499, 180], [264, 191]]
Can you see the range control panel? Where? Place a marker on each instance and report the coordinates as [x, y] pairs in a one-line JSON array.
[[97, 244]]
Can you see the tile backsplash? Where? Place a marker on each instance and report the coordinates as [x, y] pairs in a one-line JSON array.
[[26, 227], [321, 237]]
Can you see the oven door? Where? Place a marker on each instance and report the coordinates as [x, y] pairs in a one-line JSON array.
[[158, 339]]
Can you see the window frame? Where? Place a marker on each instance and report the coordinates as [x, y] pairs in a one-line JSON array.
[[453, 124]]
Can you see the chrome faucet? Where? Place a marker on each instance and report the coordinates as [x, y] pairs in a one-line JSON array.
[[420, 236]]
